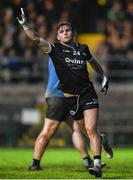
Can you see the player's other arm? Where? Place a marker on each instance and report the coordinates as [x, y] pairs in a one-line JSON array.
[[43, 44], [96, 66]]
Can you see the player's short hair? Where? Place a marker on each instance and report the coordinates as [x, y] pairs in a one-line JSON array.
[[64, 23]]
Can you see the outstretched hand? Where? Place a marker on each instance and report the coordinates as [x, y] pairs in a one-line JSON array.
[[105, 85], [22, 19]]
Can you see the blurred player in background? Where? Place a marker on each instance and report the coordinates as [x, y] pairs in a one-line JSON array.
[[70, 61]]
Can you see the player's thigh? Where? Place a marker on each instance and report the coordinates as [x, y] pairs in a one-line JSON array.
[[91, 118]]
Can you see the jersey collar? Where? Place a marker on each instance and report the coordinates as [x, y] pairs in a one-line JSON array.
[[72, 47]]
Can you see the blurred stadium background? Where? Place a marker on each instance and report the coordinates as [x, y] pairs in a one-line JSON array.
[[105, 25]]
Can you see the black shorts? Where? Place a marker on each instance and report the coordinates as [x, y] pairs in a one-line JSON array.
[[76, 105], [56, 109]]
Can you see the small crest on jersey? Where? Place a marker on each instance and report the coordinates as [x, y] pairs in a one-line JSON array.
[[66, 50]]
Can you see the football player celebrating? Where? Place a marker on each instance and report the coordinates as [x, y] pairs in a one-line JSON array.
[[70, 61], [56, 112]]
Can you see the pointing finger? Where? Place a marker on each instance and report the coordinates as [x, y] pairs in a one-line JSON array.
[[22, 11]]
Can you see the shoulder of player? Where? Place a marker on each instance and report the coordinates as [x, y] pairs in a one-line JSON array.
[[53, 47], [56, 45], [83, 46]]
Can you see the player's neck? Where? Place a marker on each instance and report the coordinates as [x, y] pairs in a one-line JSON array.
[[70, 44]]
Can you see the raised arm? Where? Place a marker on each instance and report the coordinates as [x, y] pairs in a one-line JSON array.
[[43, 44], [96, 66]]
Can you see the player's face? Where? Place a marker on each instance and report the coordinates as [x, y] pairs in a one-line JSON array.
[[64, 34]]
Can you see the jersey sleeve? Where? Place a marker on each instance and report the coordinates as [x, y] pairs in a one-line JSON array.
[[89, 56], [51, 53]]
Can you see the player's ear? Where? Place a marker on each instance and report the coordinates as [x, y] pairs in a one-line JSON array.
[[58, 38]]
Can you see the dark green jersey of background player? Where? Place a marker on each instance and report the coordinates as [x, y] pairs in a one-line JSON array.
[[71, 66]]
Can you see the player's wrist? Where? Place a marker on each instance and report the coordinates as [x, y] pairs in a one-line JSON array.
[[104, 76], [25, 27], [25, 24], [105, 79]]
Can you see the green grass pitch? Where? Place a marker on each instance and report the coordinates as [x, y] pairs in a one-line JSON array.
[[62, 163]]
